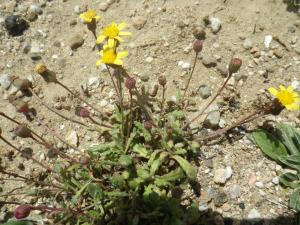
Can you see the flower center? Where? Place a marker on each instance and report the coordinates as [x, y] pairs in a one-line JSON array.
[[109, 56], [111, 31], [285, 97]]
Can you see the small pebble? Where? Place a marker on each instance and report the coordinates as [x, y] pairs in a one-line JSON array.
[[139, 22], [247, 43], [204, 91], [254, 214], [220, 176], [215, 24]]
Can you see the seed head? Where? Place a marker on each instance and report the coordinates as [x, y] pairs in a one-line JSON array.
[[234, 65], [48, 75], [22, 211], [198, 46], [130, 83], [23, 131], [162, 80], [22, 84]]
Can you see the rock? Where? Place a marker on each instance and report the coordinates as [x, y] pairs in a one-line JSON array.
[[235, 191], [149, 59], [103, 6], [76, 41], [228, 172], [253, 214], [209, 163], [215, 24], [35, 8], [222, 69], [144, 78], [220, 176], [77, 9], [247, 43], [184, 65], [15, 25], [93, 82], [291, 29], [220, 198], [209, 61], [35, 51], [278, 53], [267, 41], [5, 81], [259, 184], [275, 180], [204, 91], [203, 206], [139, 22], [72, 138], [252, 179], [212, 120]]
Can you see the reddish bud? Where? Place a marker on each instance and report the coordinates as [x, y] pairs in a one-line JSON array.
[[22, 211], [162, 80], [234, 65], [130, 83], [147, 125], [198, 46], [82, 112], [21, 106], [22, 131]]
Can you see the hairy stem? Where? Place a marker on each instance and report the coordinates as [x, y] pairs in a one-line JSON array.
[[190, 77]]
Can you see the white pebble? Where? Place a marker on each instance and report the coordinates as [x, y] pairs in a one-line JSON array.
[[268, 40], [259, 184], [275, 180]]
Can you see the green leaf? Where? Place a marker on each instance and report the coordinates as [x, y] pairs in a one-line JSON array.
[[289, 180], [141, 150], [155, 166], [19, 222], [125, 160], [269, 144], [292, 161], [143, 173], [186, 166], [80, 192], [295, 200], [169, 177], [287, 136]]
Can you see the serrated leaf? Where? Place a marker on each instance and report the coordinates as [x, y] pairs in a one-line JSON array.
[[295, 199], [155, 166], [169, 177], [141, 150], [269, 144], [287, 135], [186, 166], [125, 160], [80, 192]]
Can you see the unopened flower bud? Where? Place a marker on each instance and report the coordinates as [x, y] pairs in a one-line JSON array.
[[48, 75], [22, 211], [177, 192], [234, 65], [198, 46], [23, 131], [162, 80], [82, 112], [199, 33], [130, 83], [147, 125]]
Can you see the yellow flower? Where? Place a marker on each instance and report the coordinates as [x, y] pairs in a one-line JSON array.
[[89, 16], [113, 32], [286, 96], [111, 57]]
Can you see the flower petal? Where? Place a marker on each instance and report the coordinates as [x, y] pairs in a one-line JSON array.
[[125, 33], [100, 39], [118, 62], [290, 89], [273, 91], [292, 106], [122, 26], [99, 62], [282, 88], [122, 54], [119, 39], [97, 17], [111, 42]]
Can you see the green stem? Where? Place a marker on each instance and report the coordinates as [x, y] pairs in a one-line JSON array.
[[190, 77]]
